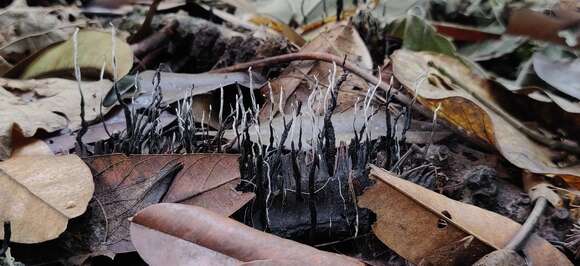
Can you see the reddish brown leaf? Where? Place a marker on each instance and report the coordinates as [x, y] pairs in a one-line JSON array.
[[127, 184], [195, 236], [224, 200]]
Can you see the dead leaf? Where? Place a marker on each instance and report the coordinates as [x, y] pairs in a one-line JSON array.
[[39, 194], [464, 33], [176, 86], [463, 110], [28, 29], [178, 234], [530, 83], [417, 223], [48, 104], [114, 123], [563, 75], [127, 184], [223, 200], [94, 51], [292, 84]]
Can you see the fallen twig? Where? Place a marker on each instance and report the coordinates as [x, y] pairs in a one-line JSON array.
[[154, 40], [145, 29]]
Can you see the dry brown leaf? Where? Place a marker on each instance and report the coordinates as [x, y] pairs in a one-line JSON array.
[[126, 184], [418, 223], [463, 110], [48, 104], [295, 83], [223, 200], [176, 234], [39, 194]]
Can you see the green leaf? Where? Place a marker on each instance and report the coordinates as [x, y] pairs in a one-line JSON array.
[[418, 35]]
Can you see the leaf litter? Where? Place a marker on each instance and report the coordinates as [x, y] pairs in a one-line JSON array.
[[388, 132]]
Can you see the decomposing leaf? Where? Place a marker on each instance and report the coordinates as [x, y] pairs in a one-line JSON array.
[[48, 104], [126, 184], [95, 50], [418, 223], [28, 29], [178, 234], [292, 84], [176, 86], [462, 109], [114, 123], [39, 194]]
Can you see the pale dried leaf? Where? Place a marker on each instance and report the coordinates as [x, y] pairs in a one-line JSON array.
[[38, 194], [48, 104]]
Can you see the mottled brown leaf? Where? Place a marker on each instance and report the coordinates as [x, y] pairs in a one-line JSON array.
[[127, 184]]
